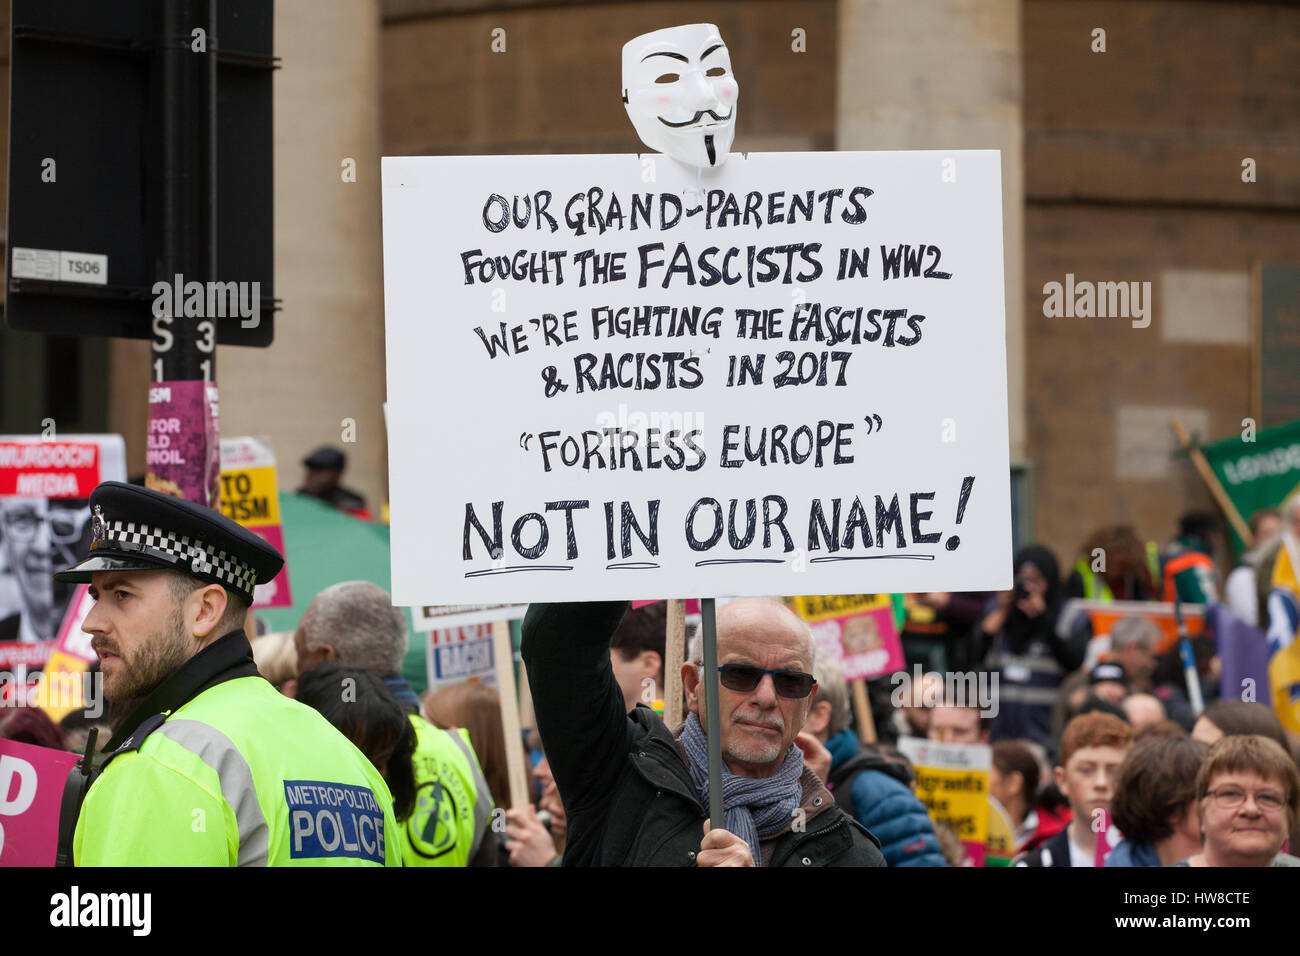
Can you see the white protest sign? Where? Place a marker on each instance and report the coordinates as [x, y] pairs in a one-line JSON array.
[[429, 618], [614, 376], [457, 654]]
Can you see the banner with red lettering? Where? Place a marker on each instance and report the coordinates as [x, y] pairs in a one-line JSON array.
[[45, 481]]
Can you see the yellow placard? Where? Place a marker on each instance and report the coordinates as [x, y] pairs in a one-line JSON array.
[[826, 607], [958, 797], [248, 496]]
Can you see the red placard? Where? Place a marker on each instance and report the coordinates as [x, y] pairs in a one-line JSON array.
[[48, 469]]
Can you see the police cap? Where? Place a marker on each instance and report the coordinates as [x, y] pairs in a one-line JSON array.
[[135, 529]]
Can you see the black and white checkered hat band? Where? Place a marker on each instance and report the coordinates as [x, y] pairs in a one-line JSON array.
[[131, 536]]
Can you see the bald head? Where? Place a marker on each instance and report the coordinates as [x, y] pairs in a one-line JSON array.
[[1143, 709], [767, 620]]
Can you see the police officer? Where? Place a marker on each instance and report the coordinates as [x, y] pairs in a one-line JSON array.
[[210, 765]]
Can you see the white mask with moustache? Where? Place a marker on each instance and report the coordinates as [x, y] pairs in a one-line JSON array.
[[680, 93]]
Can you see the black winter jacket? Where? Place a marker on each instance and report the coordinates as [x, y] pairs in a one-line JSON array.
[[626, 789], [1055, 852]]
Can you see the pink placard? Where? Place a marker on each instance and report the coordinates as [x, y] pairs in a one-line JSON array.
[[184, 454], [975, 853], [692, 605], [275, 592], [31, 790], [867, 643], [73, 641]]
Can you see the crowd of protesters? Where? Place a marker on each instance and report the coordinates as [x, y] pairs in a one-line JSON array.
[[1103, 728], [1086, 727]]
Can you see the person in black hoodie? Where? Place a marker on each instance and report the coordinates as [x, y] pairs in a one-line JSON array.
[[1026, 653]]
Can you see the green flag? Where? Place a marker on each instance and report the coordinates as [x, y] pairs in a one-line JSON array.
[[323, 546], [1260, 473]]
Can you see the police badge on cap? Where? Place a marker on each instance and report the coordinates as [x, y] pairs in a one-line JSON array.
[[135, 529]]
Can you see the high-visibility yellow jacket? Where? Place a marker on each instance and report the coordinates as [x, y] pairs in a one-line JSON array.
[[239, 775], [453, 805]]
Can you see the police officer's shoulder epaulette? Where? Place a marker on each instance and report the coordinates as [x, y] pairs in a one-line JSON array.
[[147, 726], [137, 739]]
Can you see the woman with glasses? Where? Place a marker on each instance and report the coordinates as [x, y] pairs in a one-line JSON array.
[[1248, 796]]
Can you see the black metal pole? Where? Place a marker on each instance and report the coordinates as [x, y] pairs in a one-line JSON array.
[[184, 347], [717, 820]]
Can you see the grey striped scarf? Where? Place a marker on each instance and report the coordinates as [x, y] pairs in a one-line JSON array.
[[754, 808]]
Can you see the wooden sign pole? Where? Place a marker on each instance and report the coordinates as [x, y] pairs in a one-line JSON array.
[[862, 711], [674, 656], [503, 655], [1212, 482]]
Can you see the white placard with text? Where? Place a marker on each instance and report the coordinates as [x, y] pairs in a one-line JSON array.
[[614, 376]]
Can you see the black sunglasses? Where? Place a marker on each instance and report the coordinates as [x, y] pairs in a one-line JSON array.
[[743, 678]]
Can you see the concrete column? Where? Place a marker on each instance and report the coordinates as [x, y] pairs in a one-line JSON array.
[[327, 363], [936, 75]]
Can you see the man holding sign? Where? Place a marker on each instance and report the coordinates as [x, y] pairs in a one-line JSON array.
[[636, 793], [776, 332], [679, 380]]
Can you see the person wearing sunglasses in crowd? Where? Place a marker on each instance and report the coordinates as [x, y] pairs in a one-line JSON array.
[[636, 791], [1248, 796]]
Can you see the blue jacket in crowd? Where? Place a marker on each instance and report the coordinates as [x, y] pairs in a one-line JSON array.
[[1128, 853], [877, 792]]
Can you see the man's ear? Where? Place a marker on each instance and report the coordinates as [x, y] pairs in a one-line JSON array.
[[212, 600], [819, 715], [652, 665], [1058, 773], [691, 685]]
